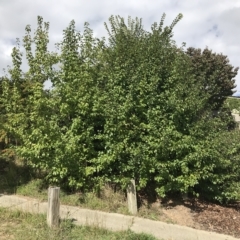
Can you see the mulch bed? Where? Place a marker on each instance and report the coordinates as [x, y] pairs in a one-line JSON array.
[[217, 218]]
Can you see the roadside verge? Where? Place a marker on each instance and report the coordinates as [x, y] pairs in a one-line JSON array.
[[112, 221]]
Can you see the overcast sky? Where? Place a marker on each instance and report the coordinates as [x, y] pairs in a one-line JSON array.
[[212, 23]]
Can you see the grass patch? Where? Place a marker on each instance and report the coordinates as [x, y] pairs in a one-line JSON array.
[[108, 201], [33, 188], [25, 226]]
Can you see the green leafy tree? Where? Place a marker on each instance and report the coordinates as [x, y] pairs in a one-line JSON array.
[[61, 137], [13, 101], [25, 100], [131, 106], [157, 126], [215, 74], [74, 95]]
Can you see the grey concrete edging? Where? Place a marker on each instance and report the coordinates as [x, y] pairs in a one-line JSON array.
[[113, 221]]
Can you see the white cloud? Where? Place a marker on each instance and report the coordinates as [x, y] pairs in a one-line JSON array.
[[206, 23]]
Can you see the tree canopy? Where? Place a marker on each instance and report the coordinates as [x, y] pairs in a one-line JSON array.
[[134, 105], [215, 73]]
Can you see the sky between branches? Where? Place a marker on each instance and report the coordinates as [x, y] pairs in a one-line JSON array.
[[214, 23]]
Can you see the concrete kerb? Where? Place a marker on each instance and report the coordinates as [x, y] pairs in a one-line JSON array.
[[167, 231], [22, 203], [112, 221]]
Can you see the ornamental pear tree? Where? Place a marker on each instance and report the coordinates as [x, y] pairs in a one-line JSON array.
[[132, 105]]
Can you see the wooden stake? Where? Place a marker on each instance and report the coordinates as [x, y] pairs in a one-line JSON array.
[[53, 207], [132, 197]]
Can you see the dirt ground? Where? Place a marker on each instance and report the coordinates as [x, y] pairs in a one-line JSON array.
[[205, 216]]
